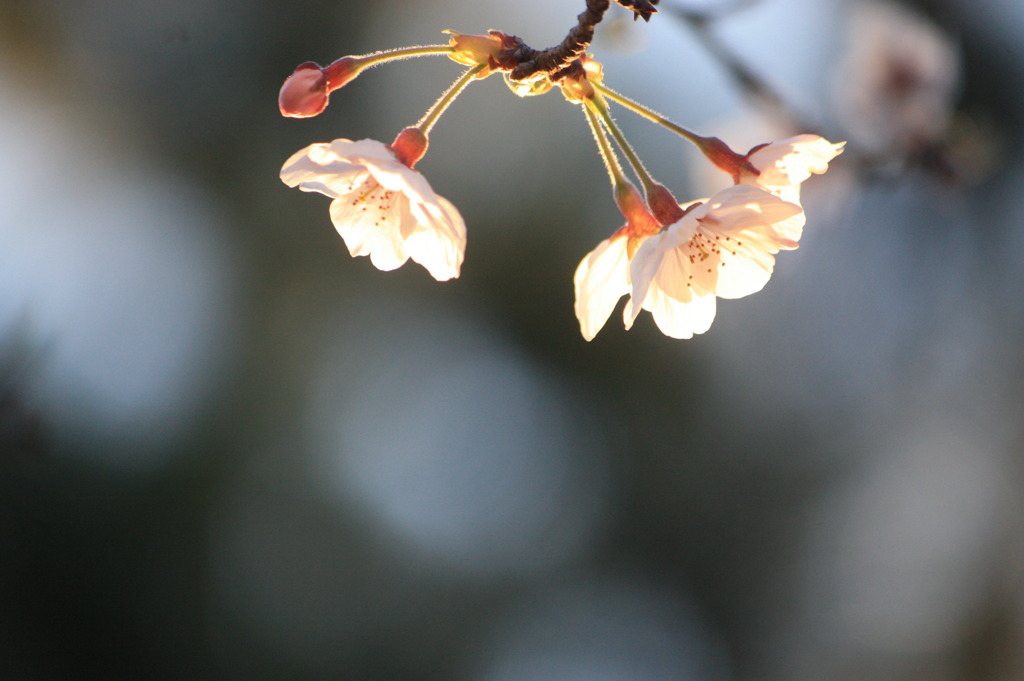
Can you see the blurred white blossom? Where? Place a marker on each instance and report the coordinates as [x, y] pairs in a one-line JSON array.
[[898, 79]]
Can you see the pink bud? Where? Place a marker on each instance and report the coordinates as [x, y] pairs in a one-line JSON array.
[[304, 93]]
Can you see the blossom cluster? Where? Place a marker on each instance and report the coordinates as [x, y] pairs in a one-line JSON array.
[[672, 259]]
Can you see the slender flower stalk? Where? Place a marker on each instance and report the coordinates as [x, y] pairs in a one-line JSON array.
[[598, 106], [611, 161], [375, 58], [663, 205], [717, 151], [648, 113], [434, 112], [640, 223]]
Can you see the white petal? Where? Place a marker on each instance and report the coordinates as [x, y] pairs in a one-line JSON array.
[[316, 169], [439, 240], [601, 278], [382, 208], [678, 319], [792, 161], [787, 233], [364, 152], [743, 207], [372, 233], [676, 275], [643, 268], [744, 269], [732, 251], [396, 176]]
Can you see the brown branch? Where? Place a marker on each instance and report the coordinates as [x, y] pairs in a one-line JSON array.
[[525, 62]]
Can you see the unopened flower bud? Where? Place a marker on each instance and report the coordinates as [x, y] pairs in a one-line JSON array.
[[576, 89], [305, 93], [575, 86], [593, 68], [474, 50], [410, 145]]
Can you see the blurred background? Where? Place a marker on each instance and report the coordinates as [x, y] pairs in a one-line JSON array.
[[229, 450]]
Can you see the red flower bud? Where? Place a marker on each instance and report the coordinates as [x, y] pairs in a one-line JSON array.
[[305, 93]]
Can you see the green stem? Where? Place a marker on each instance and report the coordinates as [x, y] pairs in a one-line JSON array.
[[369, 60], [434, 112], [649, 114], [611, 161], [601, 109]]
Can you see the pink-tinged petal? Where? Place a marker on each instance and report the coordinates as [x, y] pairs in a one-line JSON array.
[[361, 151], [789, 193], [398, 177], [367, 233], [678, 319], [317, 169], [642, 270], [662, 285], [439, 242], [729, 244], [744, 207], [724, 247], [786, 233], [601, 278], [743, 271], [789, 162], [675, 274]]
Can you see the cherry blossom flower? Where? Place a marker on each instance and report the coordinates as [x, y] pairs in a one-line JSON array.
[[382, 207], [722, 247], [781, 167]]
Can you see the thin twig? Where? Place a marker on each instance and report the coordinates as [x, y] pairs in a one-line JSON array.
[[530, 62]]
